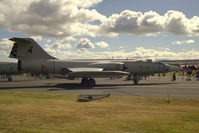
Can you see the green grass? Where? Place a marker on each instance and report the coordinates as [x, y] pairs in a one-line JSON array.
[[22, 112]]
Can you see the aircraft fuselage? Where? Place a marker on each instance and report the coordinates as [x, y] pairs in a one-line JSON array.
[[59, 66]]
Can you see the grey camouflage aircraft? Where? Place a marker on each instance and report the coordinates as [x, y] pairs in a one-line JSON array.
[[33, 59]]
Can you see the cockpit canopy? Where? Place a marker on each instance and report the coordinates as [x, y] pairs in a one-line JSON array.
[[152, 61]]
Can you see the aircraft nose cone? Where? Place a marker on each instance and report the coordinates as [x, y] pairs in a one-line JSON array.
[[173, 68]]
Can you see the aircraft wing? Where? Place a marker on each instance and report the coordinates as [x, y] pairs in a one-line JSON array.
[[95, 73], [85, 69]]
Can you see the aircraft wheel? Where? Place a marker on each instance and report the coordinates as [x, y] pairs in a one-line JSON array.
[[10, 79], [32, 75], [91, 82], [84, 82], [135, 81], [94, 83]]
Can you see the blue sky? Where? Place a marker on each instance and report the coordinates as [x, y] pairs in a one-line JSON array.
[[139, 29]]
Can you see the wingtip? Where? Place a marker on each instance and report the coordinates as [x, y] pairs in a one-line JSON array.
[[12, 39], [17, 39]]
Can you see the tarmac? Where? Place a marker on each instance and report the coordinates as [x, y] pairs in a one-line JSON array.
[[153, 86]]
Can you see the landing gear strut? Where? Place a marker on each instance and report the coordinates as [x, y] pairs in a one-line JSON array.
[[88, 82], [135, 79], [9, 78]]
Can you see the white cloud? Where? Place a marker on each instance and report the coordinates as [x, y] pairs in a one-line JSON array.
[[142, 53], [57, 47], [82, 50], [123, 47], [149, 23], [61, 46], [37, 38], [164, 49], [87, 3], [69, 18], [183, 42], [85, 43], [138, 53], [63, 51], [130, 22], [177, 23], [102, 44], [48, 40], [5, 46], [55, 18], [70, 38]]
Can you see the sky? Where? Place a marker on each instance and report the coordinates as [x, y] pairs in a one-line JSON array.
[[103, 29]]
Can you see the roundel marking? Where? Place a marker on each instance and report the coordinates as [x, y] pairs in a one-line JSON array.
[[43, 66]]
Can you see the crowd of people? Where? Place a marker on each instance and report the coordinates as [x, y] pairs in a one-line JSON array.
[[190, 71]]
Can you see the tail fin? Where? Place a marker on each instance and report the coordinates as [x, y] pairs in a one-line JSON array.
[[27, 48]]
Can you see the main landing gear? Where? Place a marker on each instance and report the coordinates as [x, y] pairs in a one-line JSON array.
[[88, 82], [9, 77], [135, 79]]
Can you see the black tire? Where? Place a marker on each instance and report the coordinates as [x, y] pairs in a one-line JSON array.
[[84, 82], [10, 79], [91, 82], [135, 81]]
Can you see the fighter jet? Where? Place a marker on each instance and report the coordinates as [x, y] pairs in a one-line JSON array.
[[33, 59]]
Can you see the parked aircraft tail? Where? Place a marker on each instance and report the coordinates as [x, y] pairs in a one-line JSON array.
[[27, 48]]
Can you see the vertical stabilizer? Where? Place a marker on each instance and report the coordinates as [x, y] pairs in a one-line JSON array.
[[27, 48]]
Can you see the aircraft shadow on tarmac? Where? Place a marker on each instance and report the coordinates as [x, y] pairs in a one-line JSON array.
[[25, 87], [76, 86], [14, 81]]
